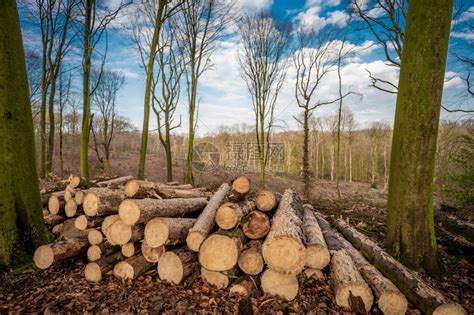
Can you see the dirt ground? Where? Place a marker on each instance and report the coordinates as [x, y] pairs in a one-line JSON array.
[[63, 288]]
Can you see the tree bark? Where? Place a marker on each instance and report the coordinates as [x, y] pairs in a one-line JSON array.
[[205, 221], [21, 215], [410, 223], [283, 249], [317, 253], [425, 297]]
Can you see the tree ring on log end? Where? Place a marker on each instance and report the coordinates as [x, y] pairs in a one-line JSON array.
[[129, 211], [92, 272], [170, 268], [156, 232], [124, 270], [357, 289], [218, 253], [43, 257], [284, 255], [91, 204]]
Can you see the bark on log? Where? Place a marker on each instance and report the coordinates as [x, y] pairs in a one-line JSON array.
[[219, 279], [132, 267], [176, 265], [46, 255], [256, 225], [346, 281], [283, 249], [94, 270], [152, 254], [275, 283], [182, 193], [266, 200], [167, 231], [133, 211], [221, 250], [53, 219], [455, 225], [244, 287], [426, 298], [102, 201], [389, 299], [251, 259], [115, 182], [317, 253], [205, 221], [229, 215]]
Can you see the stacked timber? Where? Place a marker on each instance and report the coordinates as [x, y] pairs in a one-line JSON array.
[[251, 243]]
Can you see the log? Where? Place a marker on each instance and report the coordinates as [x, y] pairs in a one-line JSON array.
[[275, 283], [68, 230], [283, 249], [221, 250], [95, 237], [426, 298], [241, 186], [314, 273], [266, 200], [176, 265], [70, 208], [229, 215], [133, 211], [455, 225], [115, 182], [251, 260], [56, 202], [216, 278], [317, 253], [102, 201], [256, 225], [54, 219], [182, 193], [94, 253], [94, 270], [46, 255], [77, 182], [389, 299], [79, 197], [128, 250], [131, 267], [119, 233], [346, 280], [69, 193], [143, 189], [169, 231], [152, 254], [244, 287], [81, 222], [108, 221], [205, 221]]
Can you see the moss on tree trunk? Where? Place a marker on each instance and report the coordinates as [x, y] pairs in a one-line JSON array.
[[20, 203], [411, 234]]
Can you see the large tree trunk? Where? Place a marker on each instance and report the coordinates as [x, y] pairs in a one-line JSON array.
[[149, 79], [205, 222], [21, 215], [410, 223], [283, 249], [425, 297]]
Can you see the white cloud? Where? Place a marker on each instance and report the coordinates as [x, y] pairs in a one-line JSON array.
[[311, 18], [463, 35], [329, 3]]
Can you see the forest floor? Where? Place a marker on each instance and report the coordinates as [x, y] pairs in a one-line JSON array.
[[63, 288]]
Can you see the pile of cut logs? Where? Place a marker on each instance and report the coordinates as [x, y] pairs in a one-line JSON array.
[[127, 227]]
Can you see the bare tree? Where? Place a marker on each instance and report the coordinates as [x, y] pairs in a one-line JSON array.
[[97, 16], [313, 59], [152, 15], [164, 105], [64, 95], [263, 66], [108, 85], [199, 27]]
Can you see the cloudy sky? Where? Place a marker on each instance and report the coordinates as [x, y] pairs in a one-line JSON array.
[[224, 99]]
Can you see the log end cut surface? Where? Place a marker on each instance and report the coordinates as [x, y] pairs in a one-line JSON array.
[[251, 262], [285, 255], [92, 272], [124, 270], [392, 303], [43, 257], [156, 232], [215, 278], [266, 200], [218, 253], [450, 309], [194, 240], [241, 185], [275, 283], [91, 203], [170, 268], [129, 211], [317, 256], [226, 217]]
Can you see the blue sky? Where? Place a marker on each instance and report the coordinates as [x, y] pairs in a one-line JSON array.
[[224, 99]]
